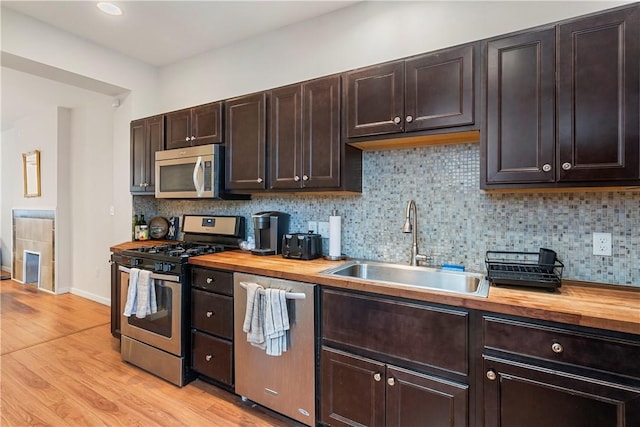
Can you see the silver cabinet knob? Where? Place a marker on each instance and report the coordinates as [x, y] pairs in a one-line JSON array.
[[546, 167], [296, 178], [208, 357], [305, 178], [187, 139], [193, 138], [566, 166], [209, 313], [557, 347], [397, 119], [409, 119], [391, 381], [491, 374], [210, 280], [377, 376], [259, 180]]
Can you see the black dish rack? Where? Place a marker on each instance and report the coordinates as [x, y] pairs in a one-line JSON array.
[[530, 269]]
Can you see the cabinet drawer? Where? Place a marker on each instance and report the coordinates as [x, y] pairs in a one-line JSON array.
[[562, 345], [213, 357], [212, 313], [212, 280], [422, 334]]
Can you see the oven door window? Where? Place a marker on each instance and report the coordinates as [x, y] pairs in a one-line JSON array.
[[160, 322]]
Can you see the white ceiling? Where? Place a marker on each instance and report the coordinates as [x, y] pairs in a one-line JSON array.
[[159, 33], [165, 32]]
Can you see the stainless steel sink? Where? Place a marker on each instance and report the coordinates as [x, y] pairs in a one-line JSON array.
[[459, 282]]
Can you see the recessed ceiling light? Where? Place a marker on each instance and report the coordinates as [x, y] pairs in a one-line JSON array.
[[109, 8]]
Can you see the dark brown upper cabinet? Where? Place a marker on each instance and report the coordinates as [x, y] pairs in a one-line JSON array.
[[421, 93], [305, 149], [246, 142], [520, 108], [195, 126], [598, 87], [147, 137], [562, 104]]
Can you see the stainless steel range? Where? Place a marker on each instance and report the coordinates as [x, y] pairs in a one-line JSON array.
[[159, 342]]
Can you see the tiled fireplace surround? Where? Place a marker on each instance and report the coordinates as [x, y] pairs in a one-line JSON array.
[[33, 230], [457, 222]]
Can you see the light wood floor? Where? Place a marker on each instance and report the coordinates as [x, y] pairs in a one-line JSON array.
[[60, 366]]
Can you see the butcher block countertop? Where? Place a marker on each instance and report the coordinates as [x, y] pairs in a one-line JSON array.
[[615, 308]]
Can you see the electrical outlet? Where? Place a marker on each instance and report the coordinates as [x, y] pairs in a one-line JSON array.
[[602, 244], [323, 228], [313, 227]]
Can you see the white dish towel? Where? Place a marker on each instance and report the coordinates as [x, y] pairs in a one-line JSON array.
[[254, 315], [141, 295], [276, 321]]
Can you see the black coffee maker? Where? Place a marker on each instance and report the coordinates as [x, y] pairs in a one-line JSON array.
[[269, 227]]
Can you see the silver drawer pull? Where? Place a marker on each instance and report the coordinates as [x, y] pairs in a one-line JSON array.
[[557, 347], [391, 381], [210, 280], [273, 392], [491, 375], [208, 357], [377, 376], [209, 313]]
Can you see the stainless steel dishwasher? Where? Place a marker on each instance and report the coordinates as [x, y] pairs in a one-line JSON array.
[[286, 383]]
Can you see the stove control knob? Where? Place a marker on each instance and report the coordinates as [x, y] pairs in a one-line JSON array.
[[158, 266], [136, 261], [166, 267]]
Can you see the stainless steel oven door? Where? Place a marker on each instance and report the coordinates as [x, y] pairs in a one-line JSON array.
[[162, 329]]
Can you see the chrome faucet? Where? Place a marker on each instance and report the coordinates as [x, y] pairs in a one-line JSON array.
[[411, 226]]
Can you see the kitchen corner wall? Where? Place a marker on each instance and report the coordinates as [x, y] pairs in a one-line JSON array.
[[457, 222]]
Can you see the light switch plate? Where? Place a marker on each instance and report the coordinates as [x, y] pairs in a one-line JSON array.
[[602, 244]]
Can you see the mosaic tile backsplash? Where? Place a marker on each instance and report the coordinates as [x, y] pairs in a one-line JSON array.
[[457, 222]]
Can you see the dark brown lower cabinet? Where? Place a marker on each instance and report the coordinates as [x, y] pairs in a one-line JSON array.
[[357, 391], [525, 395]]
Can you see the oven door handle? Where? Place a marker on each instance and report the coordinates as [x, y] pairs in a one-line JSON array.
[[154, 276]]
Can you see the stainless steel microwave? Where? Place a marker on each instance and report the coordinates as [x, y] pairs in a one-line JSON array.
[[192, 172]]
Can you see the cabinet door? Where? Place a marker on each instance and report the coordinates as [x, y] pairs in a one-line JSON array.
[[321, 148], [179, 129], [147, 137], [439, 89], [285, 144], [375, 100], [206, 124], [155, 142], [521, 395], [598, 85], [519, 134], [415, 399], [245, 128], [352, 390], [139, 156]]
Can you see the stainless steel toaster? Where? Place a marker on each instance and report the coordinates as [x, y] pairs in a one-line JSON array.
[[302, 246]]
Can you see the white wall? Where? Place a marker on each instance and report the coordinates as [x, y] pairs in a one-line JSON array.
[[364, 34], [93, 129], [36, 132]]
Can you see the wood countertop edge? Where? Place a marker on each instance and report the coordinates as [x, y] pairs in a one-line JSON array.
[[583, 306]]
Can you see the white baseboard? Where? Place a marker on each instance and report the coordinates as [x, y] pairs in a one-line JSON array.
[[93, 297]]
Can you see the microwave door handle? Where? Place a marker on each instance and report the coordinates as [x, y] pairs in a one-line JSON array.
[[196, 182]]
